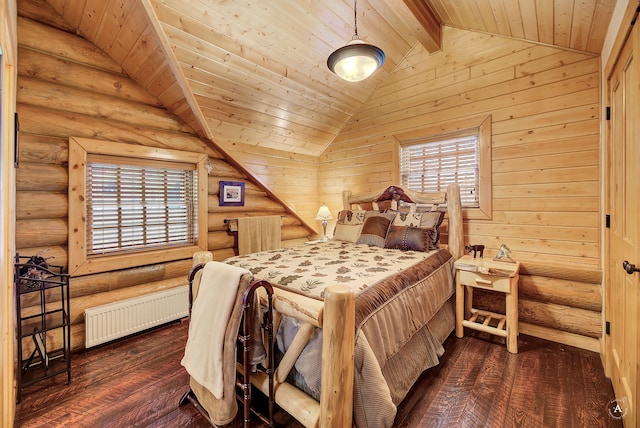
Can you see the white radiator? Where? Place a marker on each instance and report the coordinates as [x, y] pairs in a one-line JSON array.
[[118, 319]]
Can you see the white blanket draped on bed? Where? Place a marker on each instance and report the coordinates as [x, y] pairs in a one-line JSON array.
[[209, 317]]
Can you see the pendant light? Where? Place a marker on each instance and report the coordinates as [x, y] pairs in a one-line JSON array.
[[357, 60]]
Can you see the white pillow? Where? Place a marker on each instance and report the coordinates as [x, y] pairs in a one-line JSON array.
[[347, 232]]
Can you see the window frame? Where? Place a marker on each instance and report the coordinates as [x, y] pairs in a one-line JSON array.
[[79, 150], [480, 126]]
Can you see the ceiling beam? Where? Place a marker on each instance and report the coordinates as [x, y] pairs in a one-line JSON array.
[[424, 22]]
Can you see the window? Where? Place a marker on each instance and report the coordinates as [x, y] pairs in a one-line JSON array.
[[430, 166], [430, 162], [147, 207], [137, 207]]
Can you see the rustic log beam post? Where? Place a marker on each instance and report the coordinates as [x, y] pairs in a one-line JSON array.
[[338, 341], [456, 234]]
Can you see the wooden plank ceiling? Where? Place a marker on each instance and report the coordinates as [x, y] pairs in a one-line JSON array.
[[254, 72]]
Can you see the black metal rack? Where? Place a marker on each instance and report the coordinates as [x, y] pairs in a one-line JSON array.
[[44, 327]]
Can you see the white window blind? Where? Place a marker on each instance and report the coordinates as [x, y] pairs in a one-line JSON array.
[[430, 166], [136, 207]]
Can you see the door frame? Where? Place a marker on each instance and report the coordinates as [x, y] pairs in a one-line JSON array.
[[625, 30], [8, 88]]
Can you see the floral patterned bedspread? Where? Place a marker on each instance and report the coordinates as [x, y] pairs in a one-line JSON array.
[[397, 294], [310, 268]]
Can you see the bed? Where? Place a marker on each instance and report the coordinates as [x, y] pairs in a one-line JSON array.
[[361, 320]]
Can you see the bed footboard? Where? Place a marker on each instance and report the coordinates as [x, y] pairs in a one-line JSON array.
[[336, 317], [336, 394]]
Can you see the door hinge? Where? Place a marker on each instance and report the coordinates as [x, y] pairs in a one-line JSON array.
[[608, 113], [607, 328], [607, 221]]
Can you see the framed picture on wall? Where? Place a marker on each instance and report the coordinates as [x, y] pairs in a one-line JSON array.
[[232, 193]]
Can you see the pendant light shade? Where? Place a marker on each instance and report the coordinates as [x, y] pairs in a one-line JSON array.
[[357, 60]]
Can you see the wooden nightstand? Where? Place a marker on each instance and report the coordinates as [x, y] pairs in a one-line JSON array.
[[490, 275]]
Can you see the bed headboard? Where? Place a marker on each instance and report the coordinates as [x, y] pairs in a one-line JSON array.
[[398, 193]]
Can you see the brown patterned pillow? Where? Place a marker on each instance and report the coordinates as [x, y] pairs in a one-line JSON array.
[[407, 219], [374, 230], [432, 219], [409, 238], [351, 217]]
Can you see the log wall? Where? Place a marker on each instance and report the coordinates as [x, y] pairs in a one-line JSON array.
[[67, 87], [544, 103]]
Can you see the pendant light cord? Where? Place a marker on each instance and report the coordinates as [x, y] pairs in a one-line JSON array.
[[355, 19]]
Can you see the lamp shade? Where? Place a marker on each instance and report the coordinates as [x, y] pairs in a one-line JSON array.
[[356, 61], [324, 213]]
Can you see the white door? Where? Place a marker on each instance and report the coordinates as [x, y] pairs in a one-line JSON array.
[[623, 191]]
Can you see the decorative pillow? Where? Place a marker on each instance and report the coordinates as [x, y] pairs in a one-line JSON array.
[[351, 217], [409, 238], [374, 230], [407, 219], [347, 232], [432, 219]]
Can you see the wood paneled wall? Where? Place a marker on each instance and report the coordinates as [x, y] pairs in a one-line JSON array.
[[68, 87], [544, 104], [291, 176]]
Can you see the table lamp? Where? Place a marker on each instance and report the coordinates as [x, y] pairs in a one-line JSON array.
[[324, 214]]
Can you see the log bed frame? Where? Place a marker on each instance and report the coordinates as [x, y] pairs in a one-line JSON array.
[[336, 317]]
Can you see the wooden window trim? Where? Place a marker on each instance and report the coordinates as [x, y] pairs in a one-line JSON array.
[[480, 125], [79, 150]]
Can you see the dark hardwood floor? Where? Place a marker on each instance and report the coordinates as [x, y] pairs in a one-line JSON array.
[[139, 381]]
